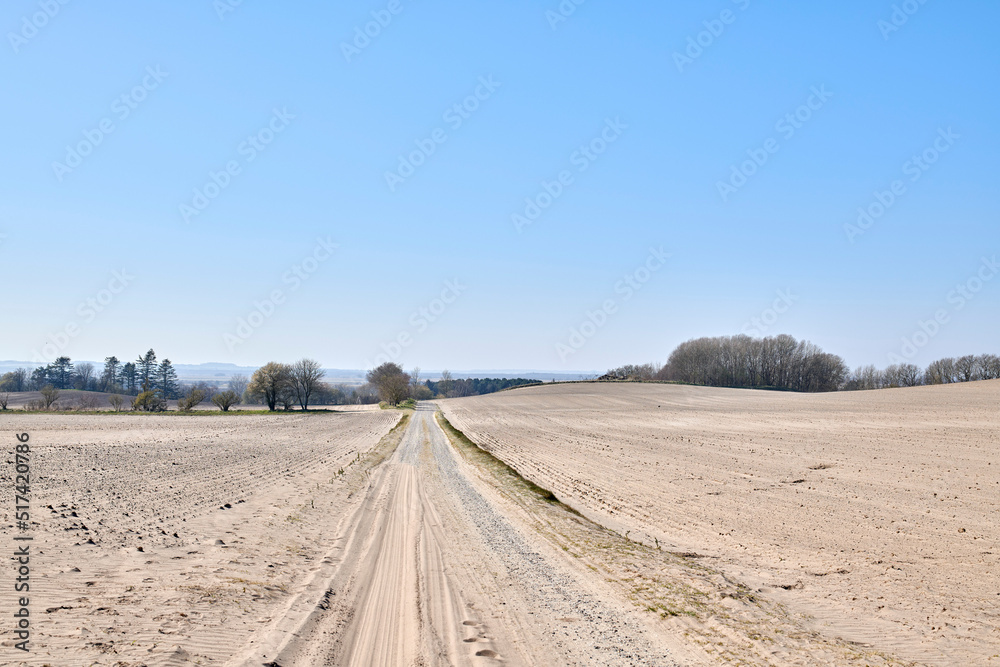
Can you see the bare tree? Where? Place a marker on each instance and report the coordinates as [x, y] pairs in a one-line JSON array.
[[990, 365], [89, 402], [941, 371], [84, 376], [910, 375], [4, 399], [966, 368], [268, 383], [49, 396], [238, 384], [445, 385], [306, 377], [116, 401]]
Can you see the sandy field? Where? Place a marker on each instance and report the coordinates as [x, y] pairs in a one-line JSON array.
[[171, 539], [697, 527], [88, 401], [871, 517]]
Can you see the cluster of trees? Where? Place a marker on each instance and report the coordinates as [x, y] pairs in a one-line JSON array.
[[633, 373], [395, 386], [286, 384], [969, 368], [132, 378], [447, 387], [781, 362], [775, 362]]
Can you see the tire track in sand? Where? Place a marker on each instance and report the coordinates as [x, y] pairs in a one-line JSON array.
[[433, 573]]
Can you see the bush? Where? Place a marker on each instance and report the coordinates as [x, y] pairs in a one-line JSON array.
[[191, 401], [116, 402], [89, 402], [149, 401], [226, 399]]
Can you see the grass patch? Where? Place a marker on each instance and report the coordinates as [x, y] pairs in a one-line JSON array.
[[476, 454], [408, 404]]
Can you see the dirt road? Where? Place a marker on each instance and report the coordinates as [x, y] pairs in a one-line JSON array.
[[430, 571]]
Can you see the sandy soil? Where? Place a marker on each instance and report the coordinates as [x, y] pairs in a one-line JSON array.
[[725, 527], [872, 515], [171, 539]]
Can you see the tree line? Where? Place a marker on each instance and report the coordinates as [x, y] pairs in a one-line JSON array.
[[396, 386], [782, 362], [131, 378], [950, 370]]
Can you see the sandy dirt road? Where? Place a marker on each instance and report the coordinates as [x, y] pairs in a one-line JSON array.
[[432, 572]]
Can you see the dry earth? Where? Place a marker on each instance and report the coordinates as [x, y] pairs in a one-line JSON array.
[[869, 518], [725, 527], [171, 539], [293, 540]]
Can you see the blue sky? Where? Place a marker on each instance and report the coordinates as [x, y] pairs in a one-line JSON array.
[[666, 121]]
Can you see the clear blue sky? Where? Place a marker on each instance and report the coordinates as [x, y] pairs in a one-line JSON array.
[[678, 128]]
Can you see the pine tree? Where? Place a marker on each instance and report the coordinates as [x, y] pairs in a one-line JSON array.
[[129, 378], [109, 378], [146, 368], [166, 380], [61, 372]]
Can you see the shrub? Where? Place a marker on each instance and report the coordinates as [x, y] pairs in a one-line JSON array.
[[149, 401], [226, 399], [89, 402], [191, 401]]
